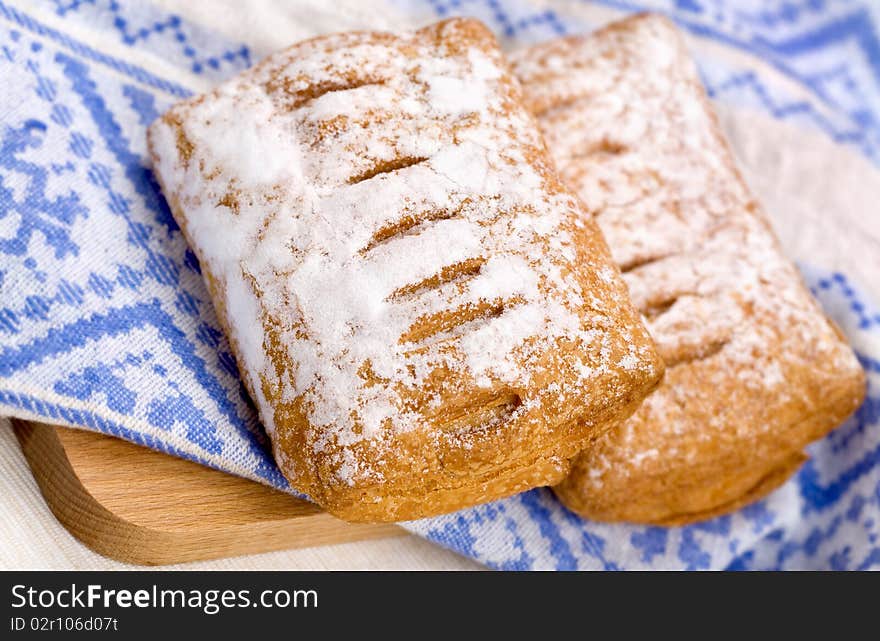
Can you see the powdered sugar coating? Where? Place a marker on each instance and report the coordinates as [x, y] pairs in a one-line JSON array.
[[381, 219], [750, 354]]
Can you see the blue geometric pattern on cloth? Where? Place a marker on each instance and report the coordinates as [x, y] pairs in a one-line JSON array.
[[828, 516], [105, 322], [831, 47]]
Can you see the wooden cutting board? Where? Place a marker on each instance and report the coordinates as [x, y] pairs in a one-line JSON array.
[[135, 505]]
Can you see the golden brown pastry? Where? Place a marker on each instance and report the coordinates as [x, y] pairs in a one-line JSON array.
[[755, 371], [422, 313]]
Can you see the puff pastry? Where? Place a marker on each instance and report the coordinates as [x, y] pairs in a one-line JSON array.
[[755, 370], [420, 310]]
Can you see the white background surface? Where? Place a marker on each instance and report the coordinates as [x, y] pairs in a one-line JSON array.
[[31, 537]]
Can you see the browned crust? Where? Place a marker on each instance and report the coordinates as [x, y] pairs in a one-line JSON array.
[[435, 473], [722, 480], [734, 446]]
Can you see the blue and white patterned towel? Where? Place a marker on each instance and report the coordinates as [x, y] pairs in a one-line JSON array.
[[105, 322]]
